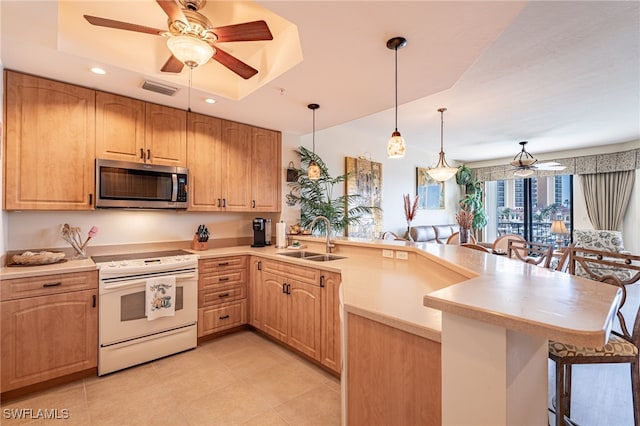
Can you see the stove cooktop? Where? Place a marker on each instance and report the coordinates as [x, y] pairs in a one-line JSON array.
[[135, 256]]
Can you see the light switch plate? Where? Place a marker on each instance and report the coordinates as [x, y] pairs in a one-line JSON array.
[[387, 253]]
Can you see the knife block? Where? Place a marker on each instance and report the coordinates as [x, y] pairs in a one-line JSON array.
[[197, 245]]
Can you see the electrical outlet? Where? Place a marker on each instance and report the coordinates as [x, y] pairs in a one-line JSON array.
[[387, 253], [402, 255]]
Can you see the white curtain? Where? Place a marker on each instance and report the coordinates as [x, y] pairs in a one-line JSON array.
[[607, 196]]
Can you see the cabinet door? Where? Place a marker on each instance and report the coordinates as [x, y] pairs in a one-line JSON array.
[[119, 128], [50, 145], [165, 135], [330, 328], [47, 337], [274, 306], [203, 160], [266, 173], [255, 279], [304, 318], [236, 166]]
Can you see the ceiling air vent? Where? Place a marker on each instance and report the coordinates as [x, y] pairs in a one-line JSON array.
[[159, 88]]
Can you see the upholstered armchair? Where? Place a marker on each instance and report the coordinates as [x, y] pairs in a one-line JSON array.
[[601, 240]]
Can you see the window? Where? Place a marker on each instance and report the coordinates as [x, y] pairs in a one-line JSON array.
[[527, 206]]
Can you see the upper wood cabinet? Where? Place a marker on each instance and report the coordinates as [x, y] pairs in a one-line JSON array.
[[266, 171], [232, 166], [49, 144], [165, 135], [132, 130], [119, 128]]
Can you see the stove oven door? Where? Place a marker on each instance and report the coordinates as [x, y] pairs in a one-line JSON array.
[[122, 304]]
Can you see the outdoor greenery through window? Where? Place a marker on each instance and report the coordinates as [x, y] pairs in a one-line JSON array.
[[528, 206]]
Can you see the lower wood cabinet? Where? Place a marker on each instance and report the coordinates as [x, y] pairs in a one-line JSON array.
[[222, 294], [50, 333], [298, 306]]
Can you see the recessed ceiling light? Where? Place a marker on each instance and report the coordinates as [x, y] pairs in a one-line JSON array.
[[97, 70], [210, 100]]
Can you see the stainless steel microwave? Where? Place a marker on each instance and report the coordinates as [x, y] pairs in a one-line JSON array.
[[136, 185]]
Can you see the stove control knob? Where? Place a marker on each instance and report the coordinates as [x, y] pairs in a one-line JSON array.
[[123, 263], [112, 265]]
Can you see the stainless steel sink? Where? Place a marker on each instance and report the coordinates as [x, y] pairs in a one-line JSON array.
[[324, 257], [309, 255], [300, 254]]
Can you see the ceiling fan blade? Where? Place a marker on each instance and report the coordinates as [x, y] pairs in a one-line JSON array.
[[248, 31], [119, 25], [234, 64], [173, 10], [551, 165], [173, 64]]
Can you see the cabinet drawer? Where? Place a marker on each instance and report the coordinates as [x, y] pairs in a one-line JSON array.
[[225, 279], [222, 295], [206, 266], [19, 288], [219, 318]]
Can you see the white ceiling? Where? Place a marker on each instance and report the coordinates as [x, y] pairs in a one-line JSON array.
[[562, 75]]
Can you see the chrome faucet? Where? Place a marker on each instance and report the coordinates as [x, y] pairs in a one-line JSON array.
[[327, 224]]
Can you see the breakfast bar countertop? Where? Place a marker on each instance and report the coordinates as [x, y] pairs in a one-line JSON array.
[[410, 294]]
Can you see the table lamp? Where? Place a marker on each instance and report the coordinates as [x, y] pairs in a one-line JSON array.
[[558, 227]]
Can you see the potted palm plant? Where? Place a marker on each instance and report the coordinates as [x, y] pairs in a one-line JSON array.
[[316, 197]]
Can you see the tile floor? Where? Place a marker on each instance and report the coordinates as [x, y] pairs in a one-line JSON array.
[[239, 379]]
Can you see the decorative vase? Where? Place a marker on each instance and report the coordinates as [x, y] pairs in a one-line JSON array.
[[409, 237], [464, 235]]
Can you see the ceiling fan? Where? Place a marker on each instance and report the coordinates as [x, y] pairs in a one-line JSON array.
[[525, 164], [192, 39]]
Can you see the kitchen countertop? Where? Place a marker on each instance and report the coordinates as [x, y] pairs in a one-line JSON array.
[[485, 287]]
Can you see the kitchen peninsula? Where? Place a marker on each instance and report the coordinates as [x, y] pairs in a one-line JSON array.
[[397, 352]]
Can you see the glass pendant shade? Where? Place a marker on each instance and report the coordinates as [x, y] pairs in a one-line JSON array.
[[523, 172], [190, 51], [396, 147], [442, 171], [313, 172]]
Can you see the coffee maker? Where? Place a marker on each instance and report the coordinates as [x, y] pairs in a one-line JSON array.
[[261, 232]]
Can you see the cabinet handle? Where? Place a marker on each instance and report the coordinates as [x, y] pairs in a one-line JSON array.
[[90, 199], [284, 288], [52, 284], [288, 288], [224, 202], [221, 279], [259, 265], [141, 154], [224, 317], [223, 264], [224, 295], [321, 280], [149, 154], [219, 202], [253, 204], [94, 301]]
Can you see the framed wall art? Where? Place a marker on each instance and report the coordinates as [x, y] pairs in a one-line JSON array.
[[429, 190], [364, 177]]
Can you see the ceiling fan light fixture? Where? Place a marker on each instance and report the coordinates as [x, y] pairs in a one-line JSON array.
[[396, 147], [523, 172], [442, 171], [523, 158], [190, 51]]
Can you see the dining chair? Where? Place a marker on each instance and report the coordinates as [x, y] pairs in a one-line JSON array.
[[388, 235], [476, 247], [563, 261], [455, 238], [530, 252], [622, 346], [501, 243]]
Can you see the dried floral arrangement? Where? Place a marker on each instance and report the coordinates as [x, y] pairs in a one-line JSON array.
[[464, 219], [409, 210]]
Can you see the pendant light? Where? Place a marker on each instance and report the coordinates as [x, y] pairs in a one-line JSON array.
[[442, 171], [313, 172], [396, 147]]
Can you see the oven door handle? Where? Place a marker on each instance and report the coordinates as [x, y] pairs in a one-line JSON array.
[[138, 282]]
